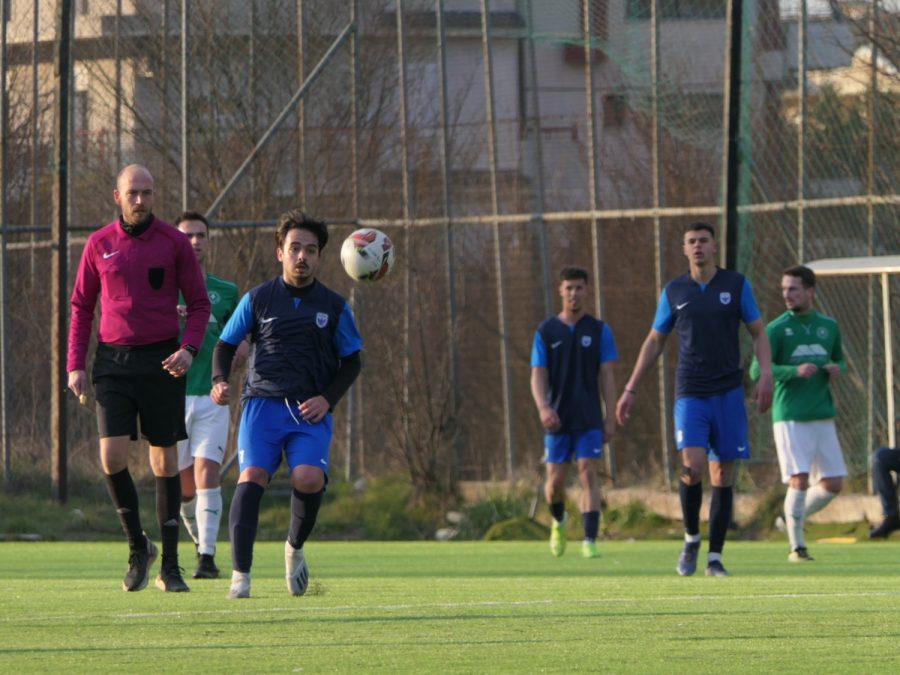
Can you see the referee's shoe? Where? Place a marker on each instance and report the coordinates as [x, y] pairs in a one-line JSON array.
[[169, 578], [139, 562]]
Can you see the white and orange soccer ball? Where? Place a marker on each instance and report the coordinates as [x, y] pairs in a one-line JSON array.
[[367, 255]]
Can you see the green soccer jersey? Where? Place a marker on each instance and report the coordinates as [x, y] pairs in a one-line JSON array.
[[797, 339], [223, 297]]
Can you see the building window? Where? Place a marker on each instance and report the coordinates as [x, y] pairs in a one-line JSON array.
[[80, 121], [614, 106], [574, 52], [639, 10]]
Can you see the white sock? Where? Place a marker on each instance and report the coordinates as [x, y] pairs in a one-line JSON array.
[[795, 516], [189, 518], [691, 538], [713, 557], [209, 514], [817, 498]]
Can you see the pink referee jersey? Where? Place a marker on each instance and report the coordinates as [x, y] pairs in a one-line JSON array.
[[137, 280]]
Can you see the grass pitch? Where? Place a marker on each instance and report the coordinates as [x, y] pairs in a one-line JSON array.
[[459, 607]]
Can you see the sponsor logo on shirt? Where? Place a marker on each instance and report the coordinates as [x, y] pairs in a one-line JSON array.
[[682, 305], [807, 352], [554, 345], [107, 256]]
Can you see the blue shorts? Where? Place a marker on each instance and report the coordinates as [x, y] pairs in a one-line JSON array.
[[272, 426], [717, 423], [561, 448]]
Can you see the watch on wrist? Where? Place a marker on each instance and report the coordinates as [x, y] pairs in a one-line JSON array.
[[190, 349]]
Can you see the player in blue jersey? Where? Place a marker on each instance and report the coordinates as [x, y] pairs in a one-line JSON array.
[[571, 360], [705, 308], [305, 355]]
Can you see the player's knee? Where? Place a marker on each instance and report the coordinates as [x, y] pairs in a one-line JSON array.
[[880, 458], [254, 474], [307, 481], [799, 481], [690, 475], [834, 484]]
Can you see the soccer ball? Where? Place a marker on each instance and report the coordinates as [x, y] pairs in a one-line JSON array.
[[367, 255]]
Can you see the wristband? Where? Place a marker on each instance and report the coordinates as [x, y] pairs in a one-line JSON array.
[[190, 349]]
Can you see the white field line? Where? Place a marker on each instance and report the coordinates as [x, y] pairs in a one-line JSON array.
[[235, 609]]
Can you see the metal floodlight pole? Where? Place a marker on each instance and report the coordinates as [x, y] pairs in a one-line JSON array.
[[732, 122], [405, 192], [539, 200], [871, 101], [185, 106], [594, 179], [59, 261], [498, 258], [117, 57], [447, 211], [301, 110], [354, 101], [802, 47], [4, 263], [35, 141], [662, 364]]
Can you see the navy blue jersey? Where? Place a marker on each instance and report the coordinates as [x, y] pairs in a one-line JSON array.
[[707, 319], [297, 342], [572, 356]]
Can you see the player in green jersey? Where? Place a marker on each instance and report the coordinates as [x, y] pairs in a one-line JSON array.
[[200, 456], [807, 357]]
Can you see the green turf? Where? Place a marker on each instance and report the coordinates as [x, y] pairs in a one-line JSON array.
[[465, 607]]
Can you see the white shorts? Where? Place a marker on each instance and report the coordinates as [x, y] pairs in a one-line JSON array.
[[207, 430], [809, 447]]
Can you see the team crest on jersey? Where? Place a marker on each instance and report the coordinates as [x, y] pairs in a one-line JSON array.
[[321, 319], [585, 340], [789, 332], [214, 297], [725, 298], [821, 332]]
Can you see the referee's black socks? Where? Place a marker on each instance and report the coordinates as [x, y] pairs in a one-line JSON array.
[[168, 510], [125, 498]]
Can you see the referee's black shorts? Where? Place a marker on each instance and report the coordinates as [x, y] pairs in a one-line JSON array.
[[130, 385]]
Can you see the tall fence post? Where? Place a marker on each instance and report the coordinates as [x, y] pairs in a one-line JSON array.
[[733, 52], [502, 325], [4, 263], [59, 261]]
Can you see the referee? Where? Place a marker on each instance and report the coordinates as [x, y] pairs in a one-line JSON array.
[[136, 265]]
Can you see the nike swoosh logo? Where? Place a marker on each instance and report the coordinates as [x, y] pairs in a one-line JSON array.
[[106, 256], [554, 345], [269, 320], [682, 305]]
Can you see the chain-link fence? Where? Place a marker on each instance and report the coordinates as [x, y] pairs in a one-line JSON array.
[[494, 142]]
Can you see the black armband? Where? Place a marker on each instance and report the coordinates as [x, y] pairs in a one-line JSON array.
[[347, 372], [190, 349], [222, 357]]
